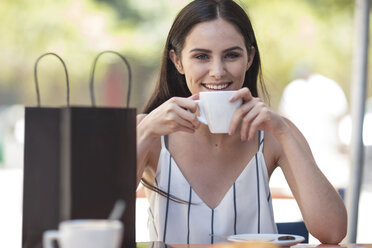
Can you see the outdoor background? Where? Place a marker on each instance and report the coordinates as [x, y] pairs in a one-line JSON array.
[[291, 34]]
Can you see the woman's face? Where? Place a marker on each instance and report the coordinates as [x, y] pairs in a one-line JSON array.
[[214, 57]]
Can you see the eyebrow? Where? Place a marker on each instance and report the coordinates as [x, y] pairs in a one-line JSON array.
[[209, 51]]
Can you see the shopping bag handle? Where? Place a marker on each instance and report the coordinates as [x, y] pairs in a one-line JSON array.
[[36, 78], [94, 68]]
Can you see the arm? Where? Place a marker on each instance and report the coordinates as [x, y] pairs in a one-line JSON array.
[[176, 114], [144, 147], [322, 209]]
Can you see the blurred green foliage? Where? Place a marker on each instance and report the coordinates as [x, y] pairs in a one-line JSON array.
[[290, 33]]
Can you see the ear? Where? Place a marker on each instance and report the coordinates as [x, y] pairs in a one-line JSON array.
[[176, 61], [251, 54]]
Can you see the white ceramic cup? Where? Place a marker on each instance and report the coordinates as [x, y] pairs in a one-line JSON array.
[[216, 110], [85, 233]]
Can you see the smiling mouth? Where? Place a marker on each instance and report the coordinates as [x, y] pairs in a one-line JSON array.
[[219, 86]]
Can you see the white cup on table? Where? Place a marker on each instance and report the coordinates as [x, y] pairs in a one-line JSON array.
[[85, 233], [216, 110]]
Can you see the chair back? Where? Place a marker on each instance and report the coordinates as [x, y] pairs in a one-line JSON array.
[[294, 228]]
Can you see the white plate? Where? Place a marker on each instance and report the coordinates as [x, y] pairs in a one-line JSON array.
[[274, 238]]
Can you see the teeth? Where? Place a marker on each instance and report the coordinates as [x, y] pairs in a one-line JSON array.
[[216, 86]]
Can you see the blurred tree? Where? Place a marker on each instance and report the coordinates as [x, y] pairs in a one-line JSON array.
[[323, 7], [291, 32], [123, 10]]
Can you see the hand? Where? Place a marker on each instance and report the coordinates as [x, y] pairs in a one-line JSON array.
[[254, 115], [176, 114]]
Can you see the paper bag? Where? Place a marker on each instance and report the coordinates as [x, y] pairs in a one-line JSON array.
[[41, 183], [78, 162]]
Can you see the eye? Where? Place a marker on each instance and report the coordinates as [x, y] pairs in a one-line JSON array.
[[232, 55], [202, 56]]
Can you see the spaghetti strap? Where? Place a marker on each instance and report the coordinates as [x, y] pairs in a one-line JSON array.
[[194, 219], [261, 140], [164, 141]]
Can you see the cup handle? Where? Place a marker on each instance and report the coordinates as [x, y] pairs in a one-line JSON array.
[[201, 111], [48, 238]]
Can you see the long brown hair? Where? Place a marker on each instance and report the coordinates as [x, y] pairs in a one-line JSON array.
[[171, 83]]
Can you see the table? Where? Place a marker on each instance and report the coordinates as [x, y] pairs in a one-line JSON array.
[[295, 246]]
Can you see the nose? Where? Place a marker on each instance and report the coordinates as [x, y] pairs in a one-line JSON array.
[[217, 69]]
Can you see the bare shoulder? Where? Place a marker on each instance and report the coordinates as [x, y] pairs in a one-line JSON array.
[[273, 150], [294, 129], [272, 144], [154, 153], [290, 123], [140, 117]]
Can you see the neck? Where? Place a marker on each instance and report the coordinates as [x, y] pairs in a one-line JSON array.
[[217, 140]]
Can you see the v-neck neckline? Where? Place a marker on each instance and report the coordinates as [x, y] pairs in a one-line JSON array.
[[254, 157]]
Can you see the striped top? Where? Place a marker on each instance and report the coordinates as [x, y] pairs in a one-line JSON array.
[[246, 207]]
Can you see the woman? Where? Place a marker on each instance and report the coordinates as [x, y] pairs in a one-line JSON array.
[[212, 185]]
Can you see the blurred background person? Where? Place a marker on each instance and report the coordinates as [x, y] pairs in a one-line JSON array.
[[316, 104]]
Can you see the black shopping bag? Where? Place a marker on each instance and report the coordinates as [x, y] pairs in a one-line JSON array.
[[90, 164], [41, 183]]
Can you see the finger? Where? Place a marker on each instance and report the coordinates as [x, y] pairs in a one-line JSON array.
[[187, 117], [243, 93], [238, 116], [247, 123], [194, 97], [181, 125], [178, 106], [186, 103], [181, 120], [261, 118], [174, 124]]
